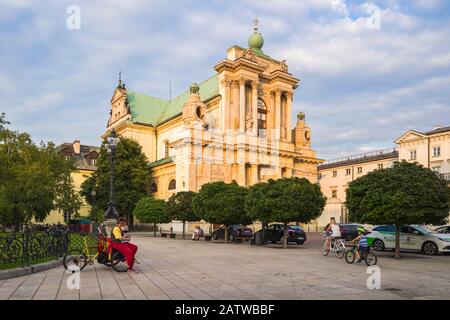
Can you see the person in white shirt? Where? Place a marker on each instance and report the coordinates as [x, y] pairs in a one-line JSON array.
[[333, 230]]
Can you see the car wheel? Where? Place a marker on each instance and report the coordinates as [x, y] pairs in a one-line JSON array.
[[214, 236], [300, 242], [378, 245], [231, 237], [430, 248]]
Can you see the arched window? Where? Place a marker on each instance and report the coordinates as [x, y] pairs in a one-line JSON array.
[[153, 188], [172, 184], [262, 116]]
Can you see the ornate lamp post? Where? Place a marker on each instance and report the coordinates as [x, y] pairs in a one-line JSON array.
[[111, 144]]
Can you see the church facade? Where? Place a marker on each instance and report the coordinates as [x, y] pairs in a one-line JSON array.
[[236, 125]]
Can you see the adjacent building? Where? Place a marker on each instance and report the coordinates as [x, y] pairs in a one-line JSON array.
[[85, 158], [430, 149]]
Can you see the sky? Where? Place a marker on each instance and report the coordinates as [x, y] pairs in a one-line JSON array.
[[369, 71]]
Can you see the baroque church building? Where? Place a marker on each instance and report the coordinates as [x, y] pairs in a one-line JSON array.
[[236, 125]]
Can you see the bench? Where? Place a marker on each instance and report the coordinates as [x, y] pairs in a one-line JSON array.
[[207, 237], [171, 235]]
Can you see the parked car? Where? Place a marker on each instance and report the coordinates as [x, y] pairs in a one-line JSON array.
[[234, 231], [412, 237], [349, 231], [275, 233], [443, 229]]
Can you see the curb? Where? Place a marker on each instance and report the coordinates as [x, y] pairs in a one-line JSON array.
[[23, 271]]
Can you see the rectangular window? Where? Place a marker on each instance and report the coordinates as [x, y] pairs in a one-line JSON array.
[[437, 169], [436, 151], [412, 155], [334, 173], [380, 166], [359, 169], [348, 171], [334, 194]]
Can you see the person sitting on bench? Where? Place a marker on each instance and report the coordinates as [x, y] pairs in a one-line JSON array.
[[121, 243]]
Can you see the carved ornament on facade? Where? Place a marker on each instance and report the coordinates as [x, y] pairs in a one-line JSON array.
[[248, 54], [284, 66]]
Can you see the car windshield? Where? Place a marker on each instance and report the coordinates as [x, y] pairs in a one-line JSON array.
[[295, 228], [424, 229]]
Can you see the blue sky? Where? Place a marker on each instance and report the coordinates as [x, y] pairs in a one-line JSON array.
[[360, 87]]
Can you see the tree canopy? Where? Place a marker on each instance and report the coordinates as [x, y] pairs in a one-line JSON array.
[[179, 207], [34, 179], [151, 210], [285, 200], [221, 203], [130, 178], [406, 193]]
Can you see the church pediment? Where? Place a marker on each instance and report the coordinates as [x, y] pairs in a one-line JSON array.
[[410, 136], [119, 92]]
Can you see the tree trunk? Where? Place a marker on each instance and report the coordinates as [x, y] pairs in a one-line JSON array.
[[154, 230], [285, 235], [184, 227], [226, 234], [397, 242], [264, 232]]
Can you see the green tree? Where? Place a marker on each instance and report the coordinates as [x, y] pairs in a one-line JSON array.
[[130, 178], [34, 179], [221, 203], [179, 207], [406, 193], [285, 200], [151, 210]]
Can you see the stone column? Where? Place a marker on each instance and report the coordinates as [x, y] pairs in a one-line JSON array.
[[277, 112], [242, 105], [227, 111], [254, 171], [255, 108], [289, 116], [235, 105]]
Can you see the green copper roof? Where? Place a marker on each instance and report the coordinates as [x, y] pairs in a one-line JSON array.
[[153, 111]]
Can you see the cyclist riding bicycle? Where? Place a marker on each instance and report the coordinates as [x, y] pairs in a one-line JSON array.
[[362, 243], [333, 231]]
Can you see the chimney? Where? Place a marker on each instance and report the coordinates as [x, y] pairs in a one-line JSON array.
[[76, 146]]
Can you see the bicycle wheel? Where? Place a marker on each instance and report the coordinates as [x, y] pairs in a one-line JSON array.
[[371, 259], [339, 250], [74, 259], [350, 256], [325, 249], [118, 262]]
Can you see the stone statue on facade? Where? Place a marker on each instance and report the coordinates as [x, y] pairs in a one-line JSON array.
[[194, 89], [284, 66]]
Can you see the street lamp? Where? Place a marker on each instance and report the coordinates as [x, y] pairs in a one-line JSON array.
[[111, 144]]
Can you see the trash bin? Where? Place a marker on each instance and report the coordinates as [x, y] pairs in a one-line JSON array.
[[259, 239]]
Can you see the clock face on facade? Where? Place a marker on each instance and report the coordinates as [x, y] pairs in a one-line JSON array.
[[199, 112]]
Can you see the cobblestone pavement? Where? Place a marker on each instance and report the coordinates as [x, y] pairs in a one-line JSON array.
[[184, 269]]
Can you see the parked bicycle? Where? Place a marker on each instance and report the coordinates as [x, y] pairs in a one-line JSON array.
[[103, 253], [334, 245], [369, 257]]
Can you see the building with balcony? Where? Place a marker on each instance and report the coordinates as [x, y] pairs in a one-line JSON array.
[[430, 149]]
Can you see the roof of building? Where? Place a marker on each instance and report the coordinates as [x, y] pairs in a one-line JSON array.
[[153, 111], [360, 158], [438, 130], [81, 159]]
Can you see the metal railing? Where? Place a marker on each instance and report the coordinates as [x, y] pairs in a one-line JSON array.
[[361, 155], [31, 245]]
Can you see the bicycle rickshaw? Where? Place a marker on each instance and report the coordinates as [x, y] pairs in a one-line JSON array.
[[76, 259]]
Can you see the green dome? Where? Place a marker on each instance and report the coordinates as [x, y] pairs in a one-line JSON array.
[[256, 41]]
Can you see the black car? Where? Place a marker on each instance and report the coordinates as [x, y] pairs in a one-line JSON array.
[[349, 231], [234, 231], [275, 233]]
